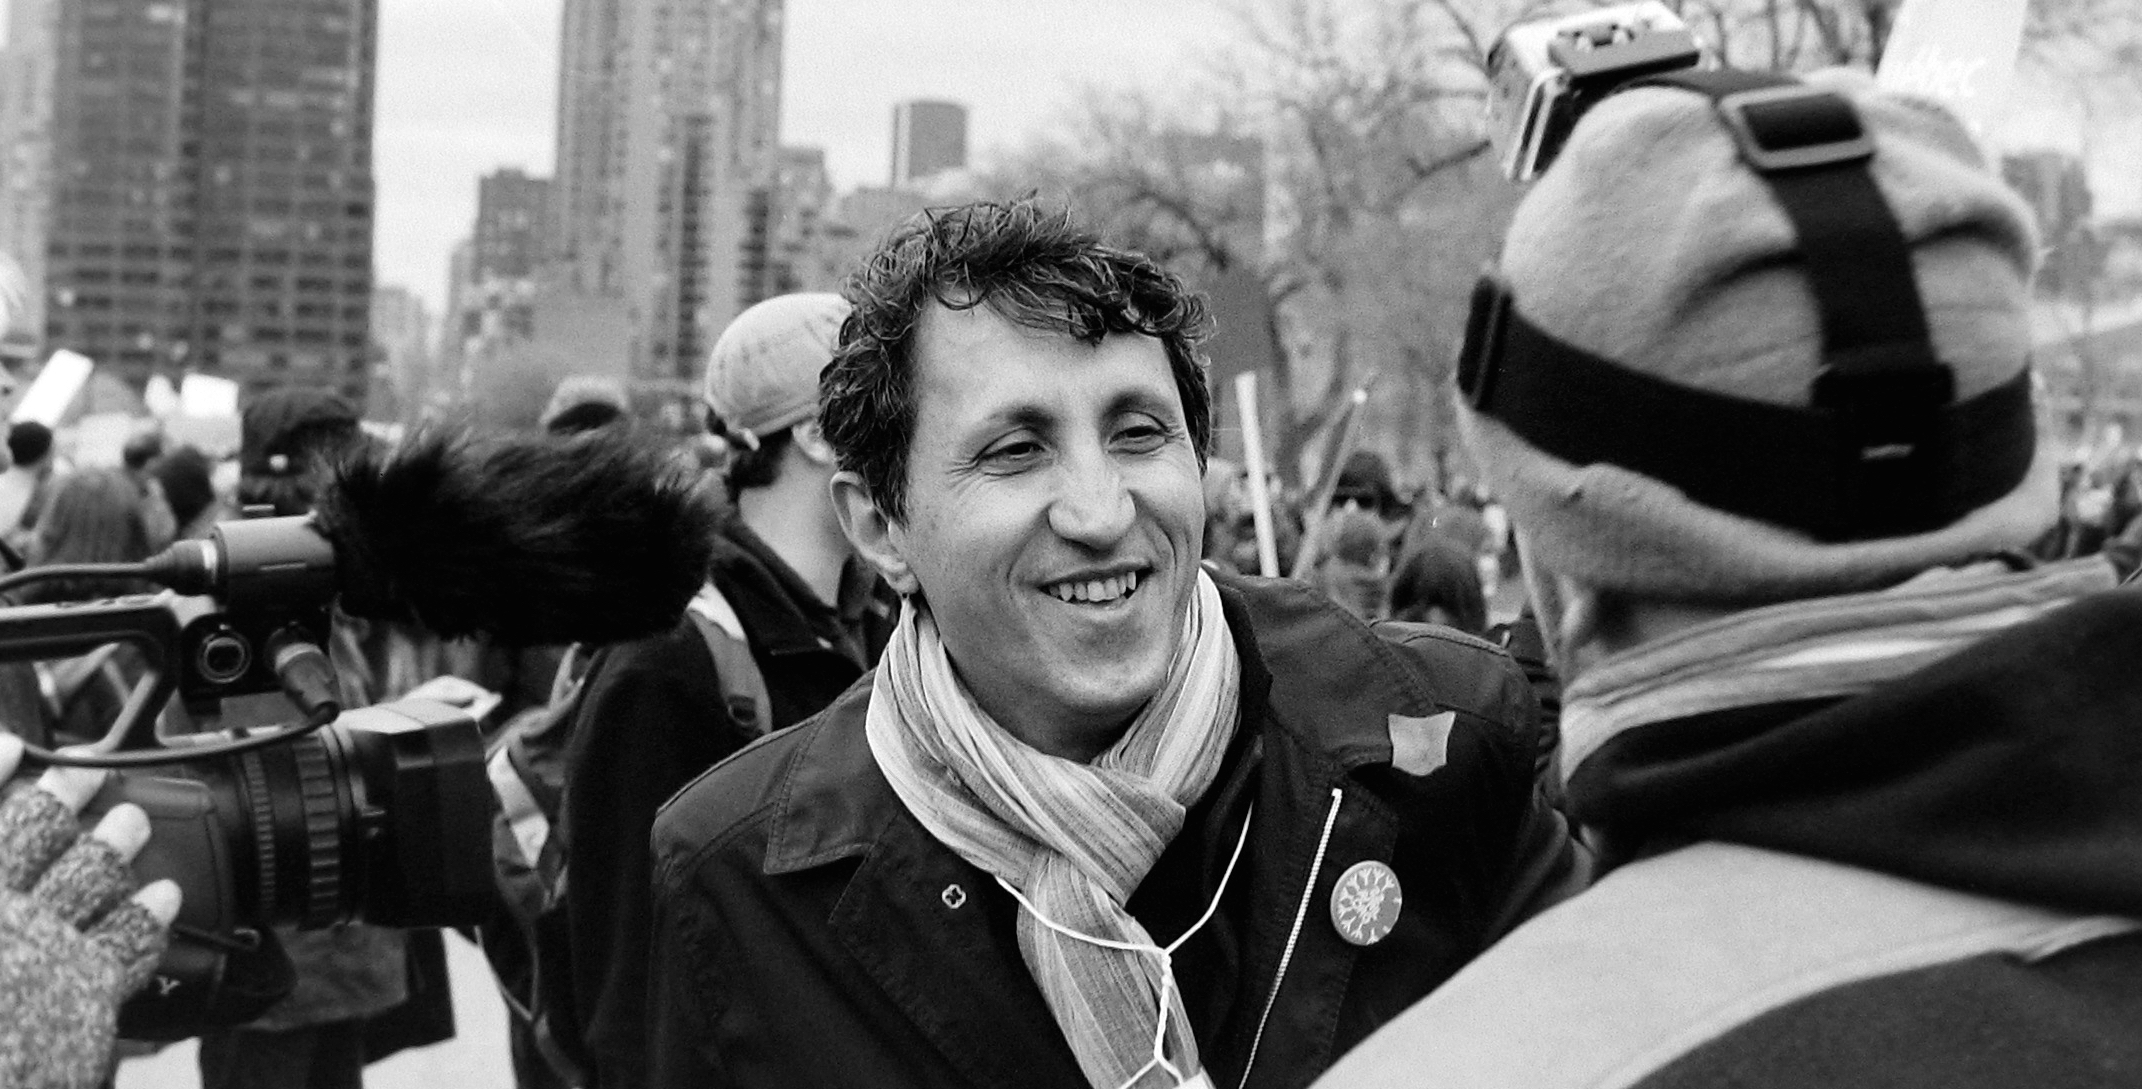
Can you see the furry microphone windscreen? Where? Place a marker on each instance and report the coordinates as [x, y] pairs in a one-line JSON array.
[[531, 540]]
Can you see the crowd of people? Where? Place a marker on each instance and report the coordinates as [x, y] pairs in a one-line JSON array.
[[1806, 756], [1434, 553]]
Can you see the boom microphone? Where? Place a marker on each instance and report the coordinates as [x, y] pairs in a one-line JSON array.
[[594, 538]]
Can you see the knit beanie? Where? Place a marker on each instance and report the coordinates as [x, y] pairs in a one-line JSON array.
[[1652, 244], [763, 373]]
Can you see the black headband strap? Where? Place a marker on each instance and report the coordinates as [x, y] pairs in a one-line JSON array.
[[1808, 146], [1785, 466]]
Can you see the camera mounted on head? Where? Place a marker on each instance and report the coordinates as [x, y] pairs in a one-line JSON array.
[[1883, 447], [1543, 75]]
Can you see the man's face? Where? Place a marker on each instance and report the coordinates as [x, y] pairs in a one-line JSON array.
[[1053, 521]]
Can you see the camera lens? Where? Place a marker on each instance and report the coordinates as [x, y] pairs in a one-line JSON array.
[[382, 817]]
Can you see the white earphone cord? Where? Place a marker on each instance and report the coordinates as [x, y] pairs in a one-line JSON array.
[[1166, 955]]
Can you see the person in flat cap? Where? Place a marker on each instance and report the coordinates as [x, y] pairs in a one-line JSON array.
[[283, 436], [1863, 776], [785, 590]]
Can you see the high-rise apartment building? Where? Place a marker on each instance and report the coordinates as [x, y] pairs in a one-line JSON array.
[[401, 335], [493, 281], [803, 200], [189, 183], [927, 138], [663, 199], [511, 224]]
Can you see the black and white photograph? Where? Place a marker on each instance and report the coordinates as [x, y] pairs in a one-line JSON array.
[[1133, 544]]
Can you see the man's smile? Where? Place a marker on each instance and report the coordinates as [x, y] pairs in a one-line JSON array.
[[1095, 589]]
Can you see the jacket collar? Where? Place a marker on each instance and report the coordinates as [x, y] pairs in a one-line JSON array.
[[781, 615], [836, 803]]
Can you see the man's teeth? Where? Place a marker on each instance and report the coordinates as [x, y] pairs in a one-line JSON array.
[[1096, 590]]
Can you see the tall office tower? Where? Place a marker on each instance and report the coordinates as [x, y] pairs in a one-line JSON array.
[[803, 201], [511, 217], [666, 164], [584, 190], [927, 138], [189, 183], [401, 334], [493, 279]]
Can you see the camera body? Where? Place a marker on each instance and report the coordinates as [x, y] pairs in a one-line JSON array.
[[382, 815], [1543, 75]]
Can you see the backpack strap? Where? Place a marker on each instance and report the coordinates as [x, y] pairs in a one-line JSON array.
[[1667, 954], [517, 805], [743, 686], [527, 796]]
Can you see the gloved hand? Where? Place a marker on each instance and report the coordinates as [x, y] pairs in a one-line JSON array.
[[72, 946]]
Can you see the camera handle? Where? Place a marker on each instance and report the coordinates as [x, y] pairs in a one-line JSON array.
[[154, 623]]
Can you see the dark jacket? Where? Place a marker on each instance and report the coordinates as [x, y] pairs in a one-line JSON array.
[[653, 717], [1933, 883], [812, 932]]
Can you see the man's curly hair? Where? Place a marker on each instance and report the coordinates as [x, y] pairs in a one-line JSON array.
[[1028, 262]]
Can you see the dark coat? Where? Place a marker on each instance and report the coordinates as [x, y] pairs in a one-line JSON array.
[[653, 717], [812, 933], [1929, 883]]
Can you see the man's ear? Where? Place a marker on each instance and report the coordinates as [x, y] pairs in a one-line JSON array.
[[806, 438], [1566, 610], [873, 535]]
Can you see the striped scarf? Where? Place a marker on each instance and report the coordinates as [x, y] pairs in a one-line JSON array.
[[1816, 649], [1075, 839]]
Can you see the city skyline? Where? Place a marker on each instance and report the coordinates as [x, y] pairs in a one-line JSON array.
[[470, 87]]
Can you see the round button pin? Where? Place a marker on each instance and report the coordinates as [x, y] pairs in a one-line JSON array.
[[1365, 903]]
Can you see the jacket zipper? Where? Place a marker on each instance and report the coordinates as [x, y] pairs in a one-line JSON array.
[[1301, 912]]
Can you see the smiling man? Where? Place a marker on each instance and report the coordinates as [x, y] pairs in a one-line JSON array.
[[1099, 818]]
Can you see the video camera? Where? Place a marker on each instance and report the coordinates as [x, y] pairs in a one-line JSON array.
[[1543, 75], [380, 814]]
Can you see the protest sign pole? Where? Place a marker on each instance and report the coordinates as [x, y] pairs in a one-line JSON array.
[[1253, 462], [1328, 485]]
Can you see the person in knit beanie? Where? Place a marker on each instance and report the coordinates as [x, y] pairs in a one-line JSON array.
[[1861, 774]]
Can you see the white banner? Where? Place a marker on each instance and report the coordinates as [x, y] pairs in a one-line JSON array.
[[1960, 53], [208, 395], [54, 389]]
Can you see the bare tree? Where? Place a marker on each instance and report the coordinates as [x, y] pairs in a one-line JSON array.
[[1383, 206], [1337, 151], [2071, 37], [1369, 204]]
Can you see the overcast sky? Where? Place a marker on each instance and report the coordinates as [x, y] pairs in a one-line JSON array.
[[467, 86]]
